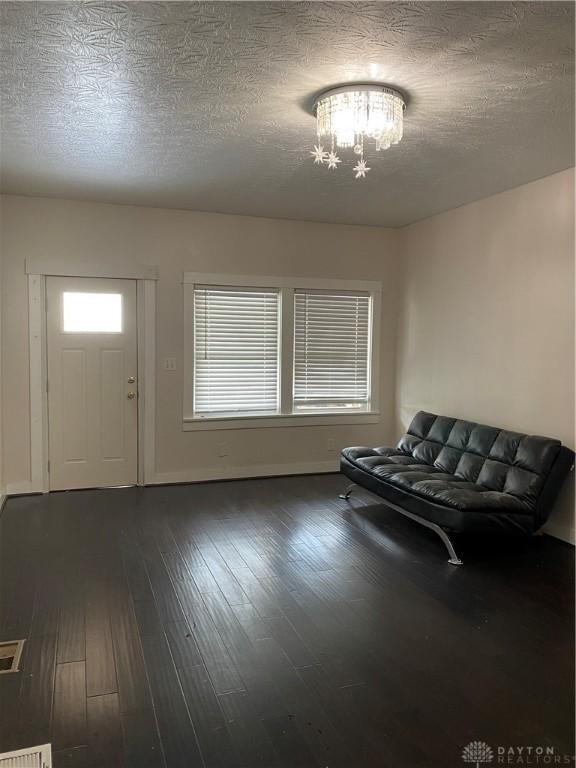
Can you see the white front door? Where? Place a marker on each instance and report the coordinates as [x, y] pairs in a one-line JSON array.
[[92, 384]]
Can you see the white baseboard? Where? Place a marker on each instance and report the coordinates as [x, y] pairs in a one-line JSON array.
[[209, 473], [564, 532], [238, 473], [16, 489]]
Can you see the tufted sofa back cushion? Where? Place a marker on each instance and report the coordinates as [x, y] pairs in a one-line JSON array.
[[507, 462]]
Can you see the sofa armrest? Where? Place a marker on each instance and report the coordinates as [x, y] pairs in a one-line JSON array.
[[553, 483]]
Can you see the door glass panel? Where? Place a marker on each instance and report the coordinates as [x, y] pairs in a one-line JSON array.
[[92, 312]]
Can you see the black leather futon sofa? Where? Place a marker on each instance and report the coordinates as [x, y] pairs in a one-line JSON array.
[[457, 476]]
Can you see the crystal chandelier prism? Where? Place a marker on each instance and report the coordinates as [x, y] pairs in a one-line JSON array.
[[348, 116]]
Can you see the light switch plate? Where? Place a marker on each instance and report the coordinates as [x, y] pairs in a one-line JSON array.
[[169, 363]]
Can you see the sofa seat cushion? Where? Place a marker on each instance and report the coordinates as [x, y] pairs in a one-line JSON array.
[[404, 471]]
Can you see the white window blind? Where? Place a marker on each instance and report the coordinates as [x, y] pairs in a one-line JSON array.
[[235, 350], [331, 350]]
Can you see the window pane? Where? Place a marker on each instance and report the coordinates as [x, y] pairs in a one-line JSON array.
[[331, 351], [92, 312], [235, 350]]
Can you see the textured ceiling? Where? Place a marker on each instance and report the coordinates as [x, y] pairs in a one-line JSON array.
[[206, 105]]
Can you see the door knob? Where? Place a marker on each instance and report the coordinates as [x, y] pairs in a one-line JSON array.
[[131, 379], [131, 395]]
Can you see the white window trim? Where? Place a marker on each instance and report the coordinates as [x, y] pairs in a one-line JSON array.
[[285, 418], [101, 268]]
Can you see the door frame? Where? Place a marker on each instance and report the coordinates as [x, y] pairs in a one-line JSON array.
[[37, 271]]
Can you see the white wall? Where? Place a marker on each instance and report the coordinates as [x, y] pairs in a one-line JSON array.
[[487, 329], [1, 424], [178, 241]]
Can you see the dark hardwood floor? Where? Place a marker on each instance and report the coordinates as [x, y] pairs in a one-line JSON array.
[[268, 623]]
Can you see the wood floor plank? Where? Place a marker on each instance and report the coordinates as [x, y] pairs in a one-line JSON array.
[[72, 628], [290, 642], [167, 604], [135, 569], [105, 745], [69, 726], [100, 662], [221, 668], [47, 601], [9, 694], [142, 746], [147, 618], [209, 724], [71, 758], [37, 691], [223, 576], [305, 712], [290, 749], [250, 738], [244, 654], [183, 645], [177, 732], [133, 687]]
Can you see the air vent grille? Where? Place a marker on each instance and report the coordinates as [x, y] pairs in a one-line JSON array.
[[35, 757], [10, 653]]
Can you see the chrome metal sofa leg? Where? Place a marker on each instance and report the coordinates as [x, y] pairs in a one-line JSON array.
[[453, 559], [347, 493]]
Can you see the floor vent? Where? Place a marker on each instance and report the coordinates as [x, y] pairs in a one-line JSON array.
[[10, 653], [36, 757]]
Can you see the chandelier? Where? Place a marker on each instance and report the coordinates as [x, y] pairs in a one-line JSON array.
[[349, 115]]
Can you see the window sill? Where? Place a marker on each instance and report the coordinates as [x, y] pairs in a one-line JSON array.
[[279, 420]]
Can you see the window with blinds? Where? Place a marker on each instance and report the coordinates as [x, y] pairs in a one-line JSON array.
[[331, 350], [235, 350]]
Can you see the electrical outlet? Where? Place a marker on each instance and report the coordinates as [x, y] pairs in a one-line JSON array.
[[223, 449], [331, 445], [169, 363]]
